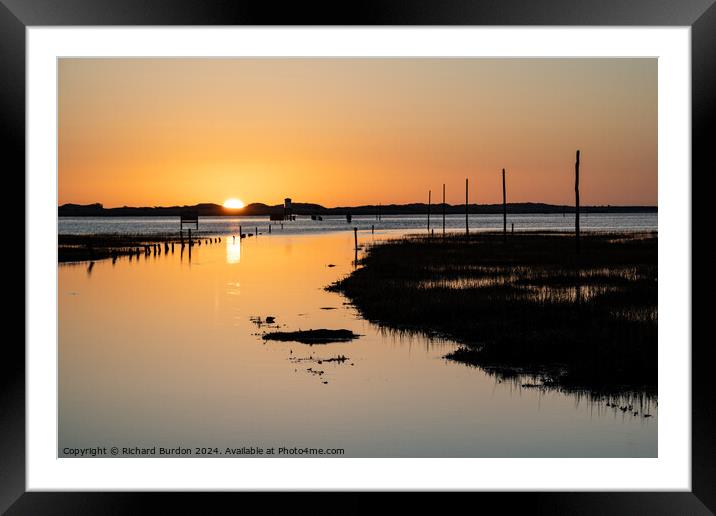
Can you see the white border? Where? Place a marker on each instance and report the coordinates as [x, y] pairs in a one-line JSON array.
[[670, 471]]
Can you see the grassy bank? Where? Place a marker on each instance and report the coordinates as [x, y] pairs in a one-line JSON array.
[[529, 304]]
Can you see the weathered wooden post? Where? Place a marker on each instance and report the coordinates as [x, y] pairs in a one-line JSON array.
[[190, 244], [576, 201], [269, 229], [372, 229], [355, 237], [467, 226], [504, 207], [443, 210], [430, 193]]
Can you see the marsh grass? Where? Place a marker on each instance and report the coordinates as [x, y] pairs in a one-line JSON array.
[[586, 321]]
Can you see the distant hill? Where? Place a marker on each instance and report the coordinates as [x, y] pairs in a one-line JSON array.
[[260, 209]]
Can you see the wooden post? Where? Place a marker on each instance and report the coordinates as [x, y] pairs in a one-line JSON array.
[[190, 244], [513, 228], [504, 207], [576, 201], [355, 237], [430, 193], [372, 229], [467, 226], [443, 210]]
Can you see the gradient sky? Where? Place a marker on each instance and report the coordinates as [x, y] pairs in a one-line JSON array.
[[158, 132]]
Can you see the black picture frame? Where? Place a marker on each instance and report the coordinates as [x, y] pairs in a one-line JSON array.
[[17, 15]]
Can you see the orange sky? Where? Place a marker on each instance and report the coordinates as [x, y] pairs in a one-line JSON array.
[[158, 132]]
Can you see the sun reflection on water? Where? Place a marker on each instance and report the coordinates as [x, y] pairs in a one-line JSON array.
[[233, 250]]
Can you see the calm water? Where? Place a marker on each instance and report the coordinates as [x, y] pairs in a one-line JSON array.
[[163, 351], [229, 225]]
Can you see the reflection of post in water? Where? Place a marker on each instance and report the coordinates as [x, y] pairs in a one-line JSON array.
[[89, 269]]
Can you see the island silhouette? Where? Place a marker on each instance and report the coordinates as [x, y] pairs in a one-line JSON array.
[[261, 209]]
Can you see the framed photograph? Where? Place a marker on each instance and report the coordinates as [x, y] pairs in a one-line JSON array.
[[439, 248]]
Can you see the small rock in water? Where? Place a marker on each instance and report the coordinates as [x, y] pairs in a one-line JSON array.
[[270, 319]]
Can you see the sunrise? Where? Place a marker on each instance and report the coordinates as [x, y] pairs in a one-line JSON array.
[[357, 257]]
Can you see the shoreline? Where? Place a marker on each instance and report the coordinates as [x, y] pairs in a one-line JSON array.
[[82, 248], [528, 307]]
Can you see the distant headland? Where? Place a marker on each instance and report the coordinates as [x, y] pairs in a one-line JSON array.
[[260, 209]]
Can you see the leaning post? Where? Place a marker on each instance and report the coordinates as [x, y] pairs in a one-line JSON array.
[[504, 207], [576, 202], [443, 210], [467, 226]]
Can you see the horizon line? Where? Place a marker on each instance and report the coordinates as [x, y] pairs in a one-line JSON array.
[[354, 206]]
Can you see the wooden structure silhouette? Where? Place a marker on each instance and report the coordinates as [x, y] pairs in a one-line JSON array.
[[188, 217]]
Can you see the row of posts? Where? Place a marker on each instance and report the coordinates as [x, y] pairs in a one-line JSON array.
[[467, 220], [504, 206]]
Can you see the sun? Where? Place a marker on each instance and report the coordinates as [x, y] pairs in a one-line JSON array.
[[233, 203]]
